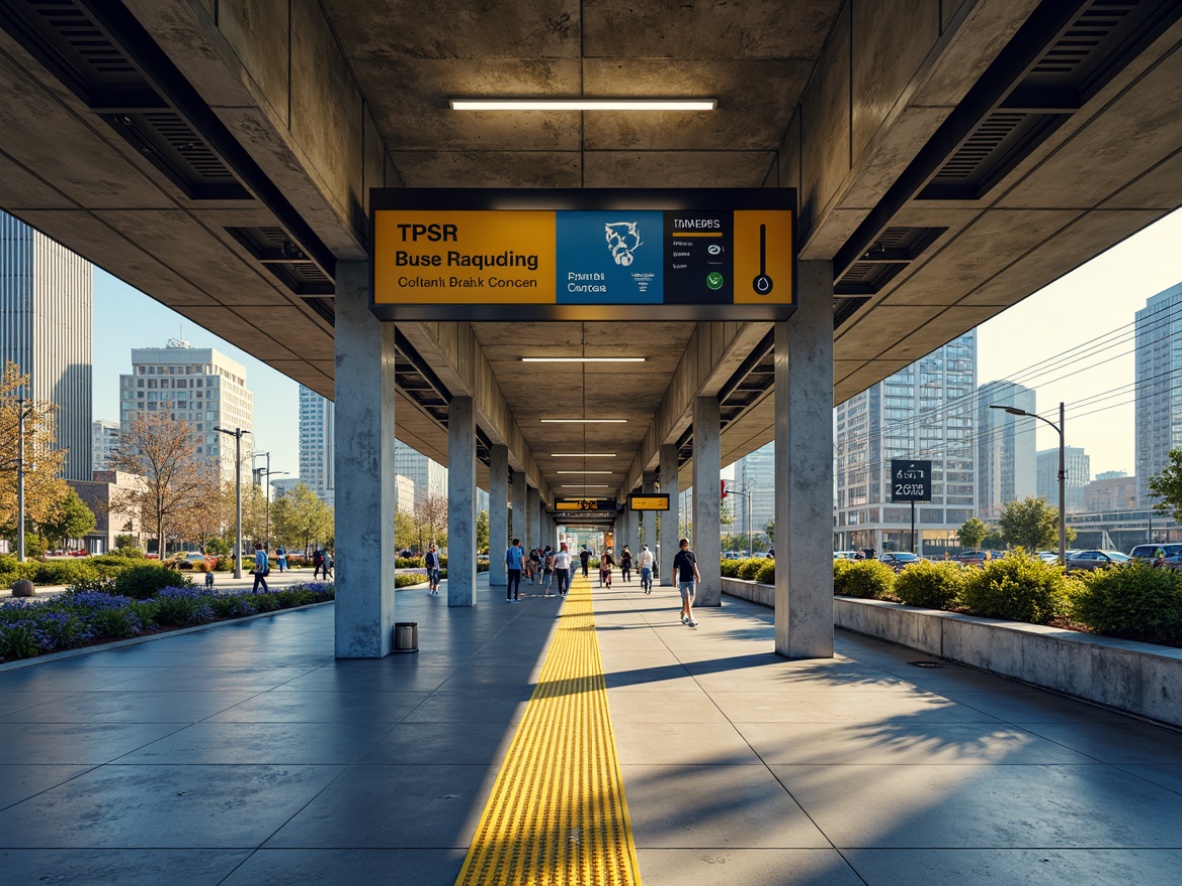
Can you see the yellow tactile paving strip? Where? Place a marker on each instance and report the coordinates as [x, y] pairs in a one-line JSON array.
[[557, 814]]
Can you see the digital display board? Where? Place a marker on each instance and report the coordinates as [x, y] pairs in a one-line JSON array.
[[586, 254], [585, 504], [651, 502]]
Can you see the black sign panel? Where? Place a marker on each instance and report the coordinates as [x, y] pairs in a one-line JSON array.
[[911, 480]]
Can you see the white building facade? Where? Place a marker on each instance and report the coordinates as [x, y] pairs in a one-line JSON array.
[[1006, 460], [201, 386], [104, 442], [428, 476], [317, 452], [755, 481], [45, 329]]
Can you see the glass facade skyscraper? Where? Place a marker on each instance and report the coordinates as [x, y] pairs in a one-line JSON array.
[[1005, 447], [317, 446], [45, 329], [1158, 411], [924, 411]]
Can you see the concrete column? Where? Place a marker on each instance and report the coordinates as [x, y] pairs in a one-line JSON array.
[[364, 466], [519, 528], [535, 521], [668, 539], [804, 469], [461, 502], [648, 519], [498, 512], [707, 469]]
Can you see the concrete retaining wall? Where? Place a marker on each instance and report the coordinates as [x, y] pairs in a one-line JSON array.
[[1140, 678]]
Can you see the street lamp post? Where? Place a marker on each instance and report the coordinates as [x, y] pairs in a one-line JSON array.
[[237, 435], [1013, 410], [20, 477], [266, 472], [750, 536]]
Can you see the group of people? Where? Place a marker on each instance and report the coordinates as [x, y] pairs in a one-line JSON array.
[[543, 565], [321, 562]]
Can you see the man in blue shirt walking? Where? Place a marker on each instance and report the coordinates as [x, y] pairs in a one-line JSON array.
[[513, 560]]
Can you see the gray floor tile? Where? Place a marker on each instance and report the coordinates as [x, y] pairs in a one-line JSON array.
[[674, 706], [1021, 704], [1030, 867], [212, 679], [1123, 740], [748, 867], [718, 807], [982, 806], [211, 807], [131, 707], [78, 743], [344, 708], [438, 743], [19, 781], [282, 744], [118, 867], [1168, 776], [301, 867], [383, 675], [393, 807], [12, 701], [697, 743], [844, 704]]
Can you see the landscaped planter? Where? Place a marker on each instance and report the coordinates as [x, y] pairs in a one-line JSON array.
[[1140, 678]]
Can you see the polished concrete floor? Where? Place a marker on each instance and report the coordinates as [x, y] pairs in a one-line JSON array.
[[245, 754]]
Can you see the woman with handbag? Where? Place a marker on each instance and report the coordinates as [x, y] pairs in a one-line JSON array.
[[262, 568]]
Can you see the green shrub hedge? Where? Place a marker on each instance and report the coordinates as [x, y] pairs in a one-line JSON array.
[[934, 584], [144, 580], [730, 568], [1135, 602], [767, 573], [868, 579], [1017, 587]]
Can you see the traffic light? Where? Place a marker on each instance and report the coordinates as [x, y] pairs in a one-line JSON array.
[[722, 483]]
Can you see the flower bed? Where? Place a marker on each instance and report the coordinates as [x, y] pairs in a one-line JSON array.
[[83, 617]]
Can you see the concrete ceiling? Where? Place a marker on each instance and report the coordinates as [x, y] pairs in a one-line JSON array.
[[948, 163]]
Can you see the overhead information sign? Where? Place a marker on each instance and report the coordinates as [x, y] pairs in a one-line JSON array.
[[911, 480], [584, 254], [648, 502], [585, 504]]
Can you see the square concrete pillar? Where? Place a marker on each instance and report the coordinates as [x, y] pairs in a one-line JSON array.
[[520, 525], [804, 469], [648, 519], [707, 469], [534, 533], [668, 529], [364, 465], [461, 502], [498, 512]]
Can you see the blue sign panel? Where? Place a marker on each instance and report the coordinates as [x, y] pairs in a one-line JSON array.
[[611, 258]]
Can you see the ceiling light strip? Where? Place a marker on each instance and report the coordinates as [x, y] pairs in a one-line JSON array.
[[584, 421], [583, 359], [583, 104], [582, 455]]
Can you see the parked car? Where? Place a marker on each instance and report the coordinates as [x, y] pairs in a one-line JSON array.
[[1096, 560], [1173, 561], [732, 555], [899, 560], [973, 558], [1048, 556], [845, 555], [193, 558], [1154, 554]]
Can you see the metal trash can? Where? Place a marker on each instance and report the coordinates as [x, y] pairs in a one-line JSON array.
[[406, 636]]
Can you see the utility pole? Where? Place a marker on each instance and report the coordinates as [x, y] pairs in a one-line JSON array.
[[237, 435], [20, 479]]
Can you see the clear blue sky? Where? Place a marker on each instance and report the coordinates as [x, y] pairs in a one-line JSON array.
[[1093, 300]]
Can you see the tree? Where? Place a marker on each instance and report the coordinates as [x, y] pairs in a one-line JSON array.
[[71, 519], [482, 532], [161, 449], [1167, 486], [204, 519], [972, 533], [431, 516], [770, 530], [44, 491], [405, 530], [301, 515], [1031, 523]]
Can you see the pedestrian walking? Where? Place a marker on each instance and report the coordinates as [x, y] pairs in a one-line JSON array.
[[514, 559], [329, 563], [562, 565], [606, 562], [281, 558], [431, 562], [318, 564], [685, 567], [646, 569], [548, 568], [535, 565], [262, 568], [626, 565], [585, 559]]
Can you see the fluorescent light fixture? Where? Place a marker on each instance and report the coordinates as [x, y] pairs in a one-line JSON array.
[[581, 455], [584, 486], [585, 472], [583, 359], [583, 104], [584, 421]]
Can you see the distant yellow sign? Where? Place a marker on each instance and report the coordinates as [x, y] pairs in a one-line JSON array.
[[584, 504], [648, 502]]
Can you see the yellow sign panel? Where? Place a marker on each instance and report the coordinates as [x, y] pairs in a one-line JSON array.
[[464, 257], [763, 256], [648, 502]]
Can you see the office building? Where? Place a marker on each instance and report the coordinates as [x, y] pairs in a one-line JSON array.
[[1158, 410], [1111, 493], [104, 441], [200, 386], [925, 411], [1079, 475], [45, 329], [429, 477], [1005, 447], [282, 486], [317, 446], [755, 477], [404, 494]]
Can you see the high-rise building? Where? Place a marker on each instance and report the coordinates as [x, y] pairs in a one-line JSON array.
[[104, 441], [45, 329], [1079, 474], [755, 476], [199, 385], [1111, 493], [1005, 447], [925, 411], [428, 476], [1158, 410], [316, 444]]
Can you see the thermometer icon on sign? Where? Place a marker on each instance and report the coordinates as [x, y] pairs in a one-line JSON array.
[[763, 283]]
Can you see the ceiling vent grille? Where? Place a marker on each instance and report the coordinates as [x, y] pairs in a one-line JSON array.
[[65, 37], [279, 254], [1095, 45], [886, 258]]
